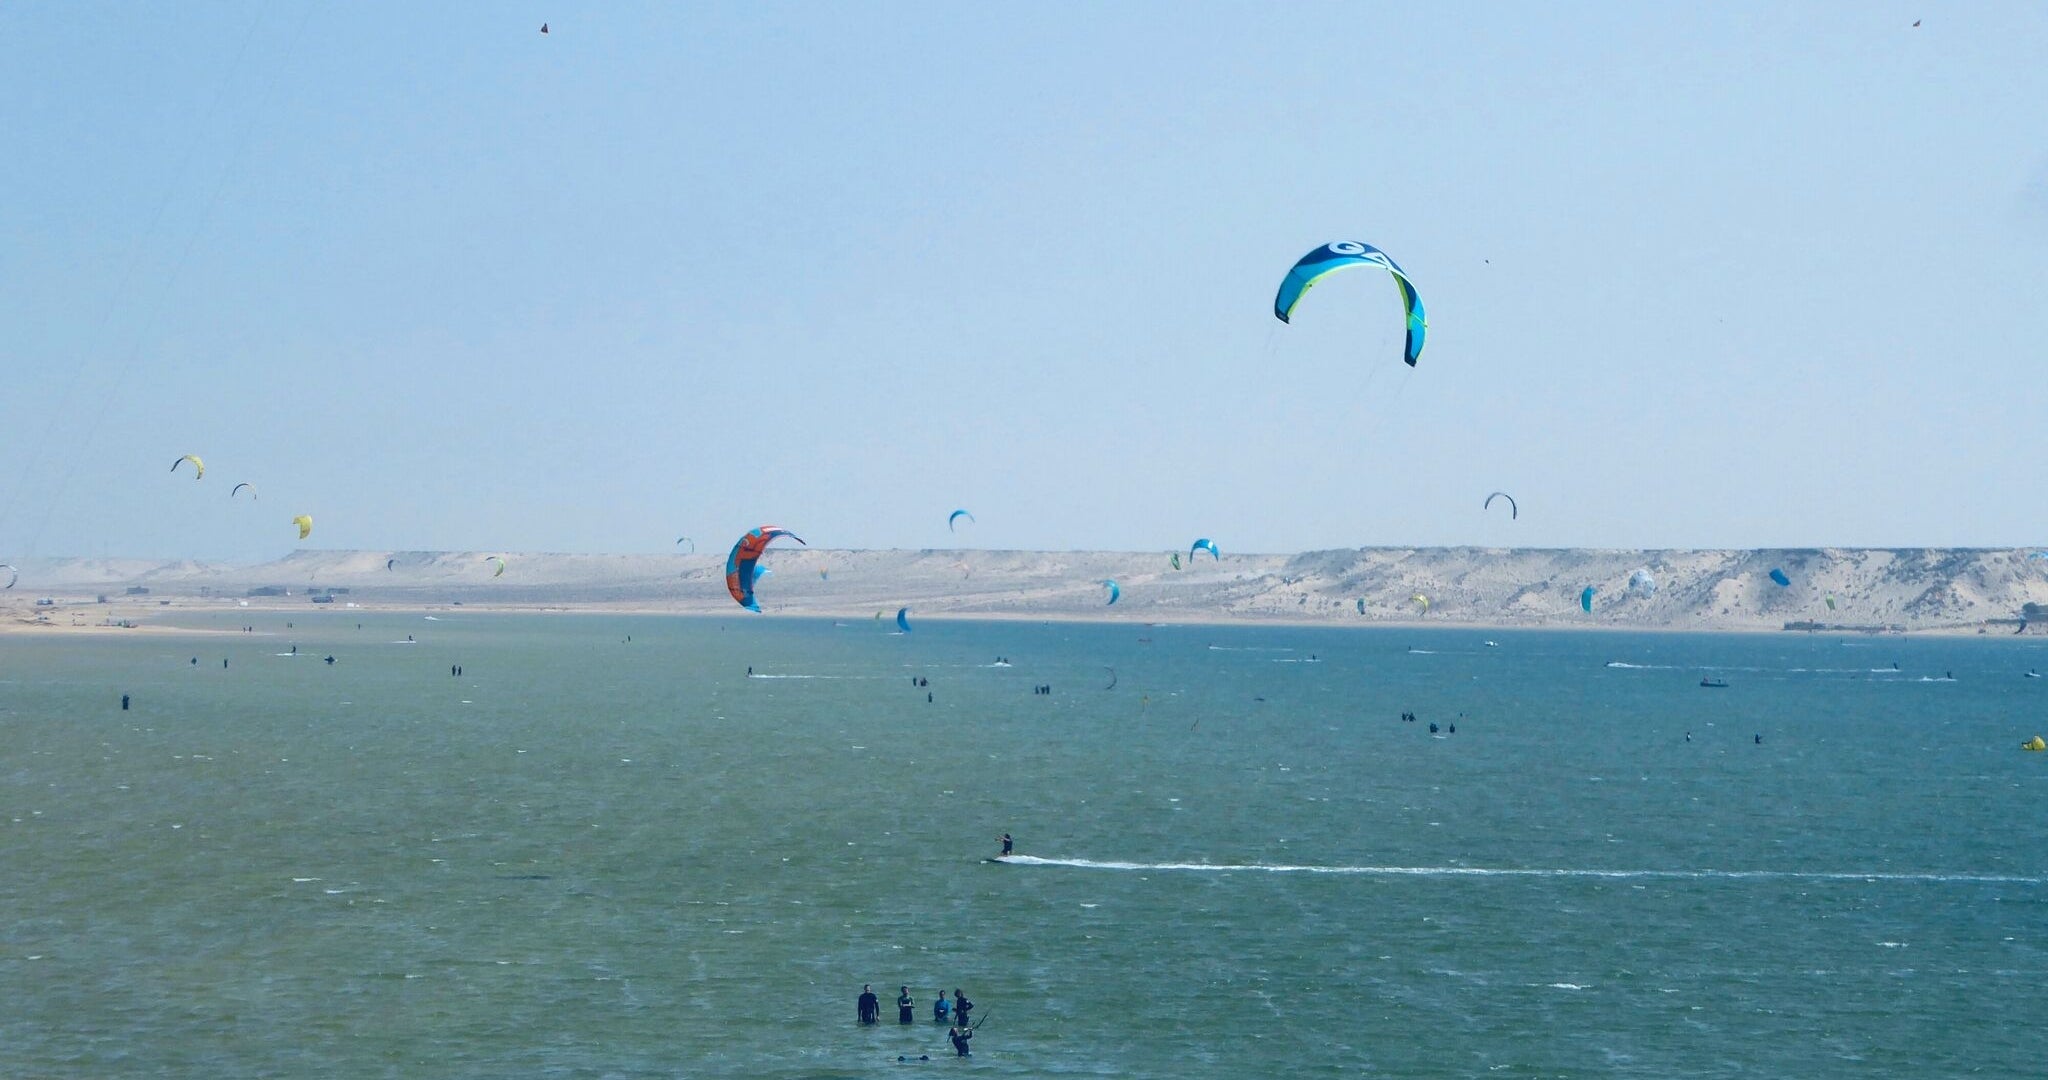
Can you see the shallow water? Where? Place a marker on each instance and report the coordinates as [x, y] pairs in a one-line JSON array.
[[595, 857]]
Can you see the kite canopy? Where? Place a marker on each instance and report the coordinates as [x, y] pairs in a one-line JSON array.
[[1343, 255], [1831, 601], [956, 516], [305, 524], [13, 575], [1642, 581], [681, 540], [389, 563], [1586, 599], [1361, 605], [903, 619], [1204, 544], [1176, 560], [198, 466], [746, 555], [1778, 576], [1115, 593], [238, 490], [1513, 510], [497, 565], [1421, 601]]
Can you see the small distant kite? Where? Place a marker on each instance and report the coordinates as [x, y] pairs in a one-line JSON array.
[[681, 540], [740, 564], [1778, 576], [954, 517], [1514, 512], [1176, 560], [389, 563], [13, 575], [1112, 678], [1344, 254], [1361, 605], [1831, 601], [1204, 544], [1916, 22], [198, 466], [1115, 593], [903, 619], [305, 524], [543, 28], [1586, 599], [1642, 581], [1421, 602], [498, 565]]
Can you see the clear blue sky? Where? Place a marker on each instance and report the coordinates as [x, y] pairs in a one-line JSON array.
[[1727, 275]]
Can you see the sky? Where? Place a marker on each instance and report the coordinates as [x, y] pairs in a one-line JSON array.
[[1739, 275]]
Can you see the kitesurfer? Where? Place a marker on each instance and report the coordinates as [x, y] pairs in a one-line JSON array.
[[1759, 740], [906, 1007], [870, 1007], [124, 703], [942, 1010], [330, 658], [961, 1007], [959, 1035], [1006, 843]]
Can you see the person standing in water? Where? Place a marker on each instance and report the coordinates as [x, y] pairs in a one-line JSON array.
[[942, 1010], [906, 1007], [958, 1036], [1007, 844], [961, 1007], [870, 1007]]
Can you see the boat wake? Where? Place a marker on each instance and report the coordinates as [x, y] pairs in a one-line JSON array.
[[1529, 872]]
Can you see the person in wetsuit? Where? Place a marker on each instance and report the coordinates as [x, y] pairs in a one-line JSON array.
[[906, 1007], [959, 1036], [1006, 843], [942, 1010], [870, 1007], [961, 1007]]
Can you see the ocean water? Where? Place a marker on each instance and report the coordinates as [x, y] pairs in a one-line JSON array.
[[595, 857]]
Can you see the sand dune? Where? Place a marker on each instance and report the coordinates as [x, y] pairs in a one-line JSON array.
[[1910, 589]]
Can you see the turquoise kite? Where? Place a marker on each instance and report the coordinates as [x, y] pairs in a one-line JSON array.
[[956, 516], [1115, 593], [1778, 576], [1204, 544], [1586, 599], [903, 619], [1342, 255]]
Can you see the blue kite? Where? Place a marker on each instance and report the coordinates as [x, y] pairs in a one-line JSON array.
[[1342, 255]]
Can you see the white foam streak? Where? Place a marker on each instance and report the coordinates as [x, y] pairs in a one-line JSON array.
[[1531, 872]]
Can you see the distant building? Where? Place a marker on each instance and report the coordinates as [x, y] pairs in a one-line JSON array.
[[270, 590], [323, 599], [138, 590]]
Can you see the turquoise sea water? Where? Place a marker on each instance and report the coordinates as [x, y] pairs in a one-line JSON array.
[[594, 857]]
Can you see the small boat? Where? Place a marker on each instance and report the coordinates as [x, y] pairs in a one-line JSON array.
[[1715, 684]]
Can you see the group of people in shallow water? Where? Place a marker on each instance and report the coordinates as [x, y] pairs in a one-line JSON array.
[[954, 1012], [1409, 717]]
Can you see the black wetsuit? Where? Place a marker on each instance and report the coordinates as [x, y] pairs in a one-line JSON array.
[[870, 1007], [1006, 843], [960, 1038], [906, 1009], [960, 1008]]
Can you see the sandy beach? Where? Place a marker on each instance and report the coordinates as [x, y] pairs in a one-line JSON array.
[[1870, 590]]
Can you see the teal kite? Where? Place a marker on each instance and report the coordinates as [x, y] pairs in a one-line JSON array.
[[1204, 544], [1586, 599], [1342, 255], [1115, 593]]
